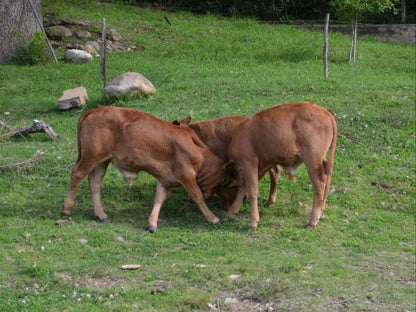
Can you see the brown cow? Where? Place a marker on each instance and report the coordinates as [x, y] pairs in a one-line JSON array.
[[288, 135], [135, 141], [217, 134]]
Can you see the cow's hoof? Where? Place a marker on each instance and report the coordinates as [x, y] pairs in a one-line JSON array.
[[268, 204], [253, 228], [218, 223], [64, 214], [152, 229], [106, 220], [322, 217], [310, 227], [230, 215]]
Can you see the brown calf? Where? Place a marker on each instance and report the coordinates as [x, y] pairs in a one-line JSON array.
[[288, 135], [135, 141], [217, 134]]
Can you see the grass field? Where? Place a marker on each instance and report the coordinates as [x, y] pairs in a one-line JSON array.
[[361, 257]]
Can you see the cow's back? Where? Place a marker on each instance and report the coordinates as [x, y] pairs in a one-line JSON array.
[[133, 137], [277, 134]]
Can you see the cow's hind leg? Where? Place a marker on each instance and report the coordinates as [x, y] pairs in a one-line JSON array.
[[78, 173], [320, 182], [95, 179], [160, 197]]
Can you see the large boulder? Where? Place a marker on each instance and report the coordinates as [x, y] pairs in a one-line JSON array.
[[77, 56], [129, 84]]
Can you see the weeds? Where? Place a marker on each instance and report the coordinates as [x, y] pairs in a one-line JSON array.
[[33, 51]]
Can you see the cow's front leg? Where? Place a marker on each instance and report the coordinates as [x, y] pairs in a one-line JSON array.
[[160, 197], [252, 187], [250, 183], [236, 205], [253, 197], [274, 174], [196, 194]]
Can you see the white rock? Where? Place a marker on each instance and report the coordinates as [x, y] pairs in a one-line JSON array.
[[233, 277], [78, 56], [130, 267], [129, 83]]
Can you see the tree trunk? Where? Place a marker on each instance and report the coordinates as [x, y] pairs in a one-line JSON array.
[[17, 23]]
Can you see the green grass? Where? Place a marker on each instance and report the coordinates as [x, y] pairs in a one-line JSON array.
[[360, 258]]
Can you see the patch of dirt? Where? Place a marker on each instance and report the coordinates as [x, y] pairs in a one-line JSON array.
[[98, 283], [230, 302]]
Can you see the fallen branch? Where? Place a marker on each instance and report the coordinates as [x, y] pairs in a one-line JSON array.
[[23, 165], [38, 126], [5, 126]]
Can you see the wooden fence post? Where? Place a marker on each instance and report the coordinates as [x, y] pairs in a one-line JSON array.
[[326, 46], [103, 56]]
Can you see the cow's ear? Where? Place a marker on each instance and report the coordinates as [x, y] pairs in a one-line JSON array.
[[187, 120], [176, 122]]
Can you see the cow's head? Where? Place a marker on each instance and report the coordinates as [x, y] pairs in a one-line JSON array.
[[227, 190]]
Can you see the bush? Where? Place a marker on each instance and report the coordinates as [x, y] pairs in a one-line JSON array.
[[33, 51]]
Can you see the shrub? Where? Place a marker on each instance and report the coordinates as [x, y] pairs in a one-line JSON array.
[[33, 51]]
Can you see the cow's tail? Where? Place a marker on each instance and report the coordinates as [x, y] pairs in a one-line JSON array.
[[79, 128], [329, 163]]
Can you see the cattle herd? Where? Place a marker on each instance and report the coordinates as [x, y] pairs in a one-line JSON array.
[[224, 156]]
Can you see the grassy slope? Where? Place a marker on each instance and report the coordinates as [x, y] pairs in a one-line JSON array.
[[360, 258]]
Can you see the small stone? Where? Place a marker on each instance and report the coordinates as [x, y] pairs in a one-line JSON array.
[[58, 32], [231, 300], [61, 222], [96, 45], [199, 266], [120, 239], [130, 267], [76, 22], [91, 47], [233, 277], [83, 34], [73, 98], [83, 241], [211, 306], [112, 34]]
